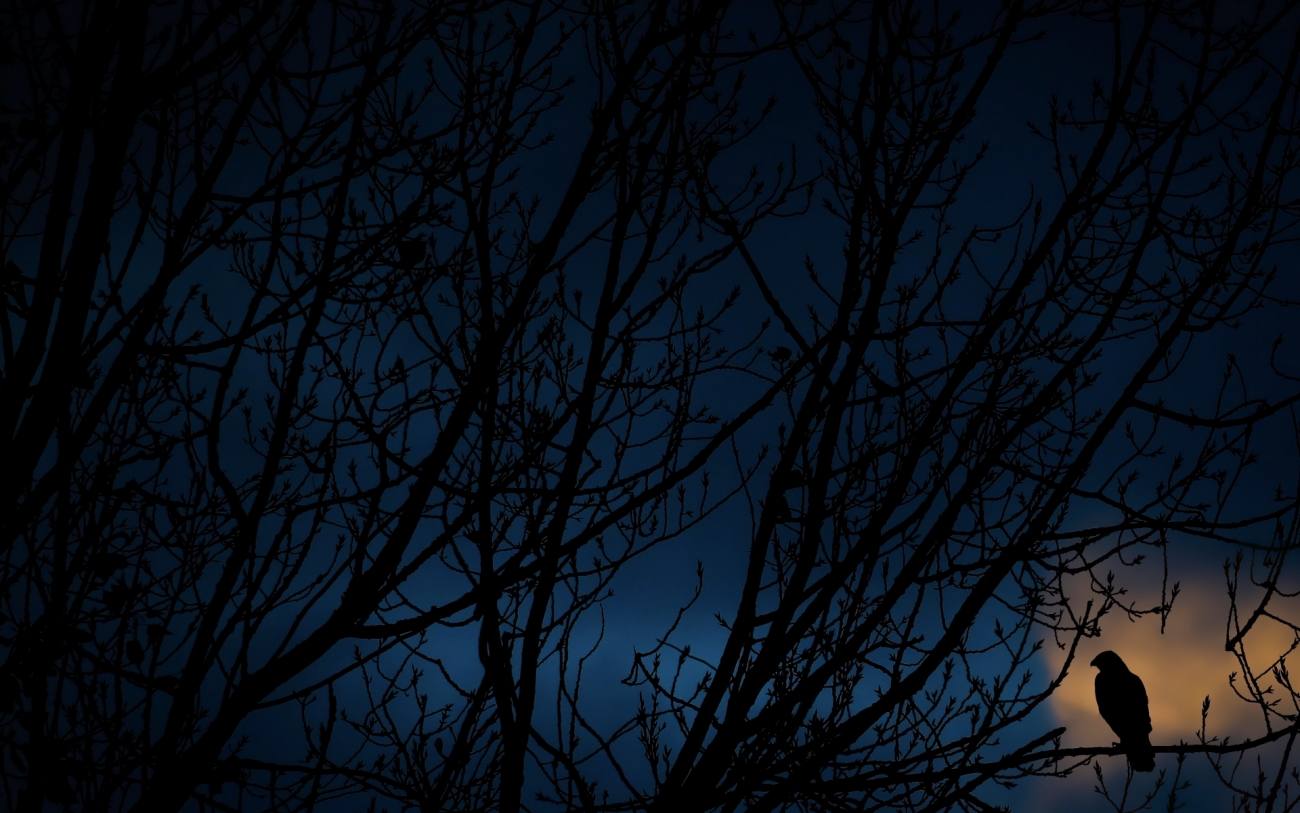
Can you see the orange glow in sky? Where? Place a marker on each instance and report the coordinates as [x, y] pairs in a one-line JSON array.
[[1179, 668]]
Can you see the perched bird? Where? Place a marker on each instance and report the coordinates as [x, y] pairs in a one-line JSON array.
[[1122, 701]]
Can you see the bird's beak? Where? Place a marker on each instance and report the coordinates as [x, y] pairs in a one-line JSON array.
[[1094, 662]]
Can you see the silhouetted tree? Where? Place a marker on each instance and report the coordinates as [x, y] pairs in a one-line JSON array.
[[353, 352]]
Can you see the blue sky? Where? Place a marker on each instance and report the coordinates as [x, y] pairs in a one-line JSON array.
[[647, 594], [1181, 663]]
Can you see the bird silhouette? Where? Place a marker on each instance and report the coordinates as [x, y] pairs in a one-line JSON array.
[[1122, 701]]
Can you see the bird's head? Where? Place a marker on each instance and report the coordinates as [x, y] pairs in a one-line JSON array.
[[1107, 661]]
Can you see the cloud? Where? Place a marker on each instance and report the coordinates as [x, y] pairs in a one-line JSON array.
[[1180, 666]]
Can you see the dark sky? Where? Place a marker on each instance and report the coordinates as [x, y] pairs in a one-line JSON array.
[[1063, 64], [1180, 665]]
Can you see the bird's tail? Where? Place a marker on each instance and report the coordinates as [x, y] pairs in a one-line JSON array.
[[1141, 757]]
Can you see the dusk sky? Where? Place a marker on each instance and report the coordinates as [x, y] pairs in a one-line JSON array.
[[420, 430]]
